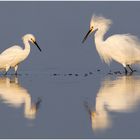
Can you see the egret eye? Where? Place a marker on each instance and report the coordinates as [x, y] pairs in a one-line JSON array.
[[32, 40]]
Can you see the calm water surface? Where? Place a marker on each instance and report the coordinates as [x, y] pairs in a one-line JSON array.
[[65, 91], [69, 106]]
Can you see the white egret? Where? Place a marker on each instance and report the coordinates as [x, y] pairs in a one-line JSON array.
[[13, 56], [123, 48]]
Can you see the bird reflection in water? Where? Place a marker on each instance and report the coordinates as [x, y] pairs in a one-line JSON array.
[[119, 95], [14, 95]]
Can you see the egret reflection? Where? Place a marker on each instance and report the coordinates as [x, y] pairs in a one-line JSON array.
[[14, 95], [119, 95]]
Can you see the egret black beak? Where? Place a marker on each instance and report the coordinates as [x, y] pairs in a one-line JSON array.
[[87, 35], [37, 45]]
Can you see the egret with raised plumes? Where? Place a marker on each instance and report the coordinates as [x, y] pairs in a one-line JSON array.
[[13, 56], [123, 48]]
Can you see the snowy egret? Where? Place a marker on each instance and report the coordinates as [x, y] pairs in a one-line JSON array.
[[13, 56], [123, 48]]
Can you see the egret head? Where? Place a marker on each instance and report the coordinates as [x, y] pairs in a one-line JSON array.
[[97, 22], [31, 38]]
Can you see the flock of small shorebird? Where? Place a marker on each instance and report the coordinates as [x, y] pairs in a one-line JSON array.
[[123, 48]]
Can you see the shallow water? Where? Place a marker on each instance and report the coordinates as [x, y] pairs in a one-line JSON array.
[[66, 91], [42, 105]]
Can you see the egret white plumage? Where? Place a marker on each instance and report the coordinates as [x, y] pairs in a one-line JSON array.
[[13, 56], [123, 48]]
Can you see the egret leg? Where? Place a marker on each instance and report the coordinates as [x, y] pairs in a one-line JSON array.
[[5, 73], [125, 70], [16, 80], [130, 68], [6, 70], [16, 67]]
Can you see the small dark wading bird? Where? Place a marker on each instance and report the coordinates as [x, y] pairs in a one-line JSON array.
[[13, 56], [123, 48]]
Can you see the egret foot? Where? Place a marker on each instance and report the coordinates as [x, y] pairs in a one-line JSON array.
[[5, 73], [130, 68], [16, 73], [125, 70], [117, 72]]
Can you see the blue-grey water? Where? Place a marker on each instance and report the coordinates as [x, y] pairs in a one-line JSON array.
[[66, 91]]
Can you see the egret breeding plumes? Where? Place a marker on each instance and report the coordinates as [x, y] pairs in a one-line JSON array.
[[13, 56], [123, 48]]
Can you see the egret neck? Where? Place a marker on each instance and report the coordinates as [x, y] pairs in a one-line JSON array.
[[99, 43], [27, 47]]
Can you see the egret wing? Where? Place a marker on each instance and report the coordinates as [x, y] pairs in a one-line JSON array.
[[9, 55], [124, 46], [12, 50], [5, 61]]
